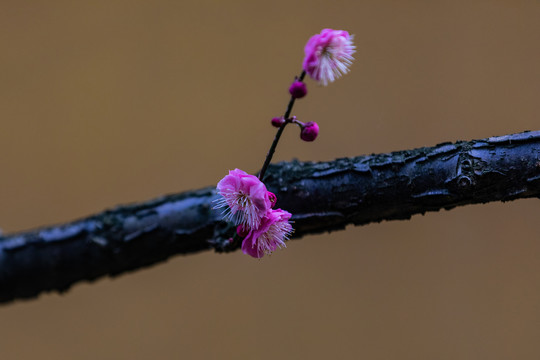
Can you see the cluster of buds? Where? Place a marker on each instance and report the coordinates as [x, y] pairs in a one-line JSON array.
[[246, 201], [308, 131]]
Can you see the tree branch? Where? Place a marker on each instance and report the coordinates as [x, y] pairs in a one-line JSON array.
[[321, 196]]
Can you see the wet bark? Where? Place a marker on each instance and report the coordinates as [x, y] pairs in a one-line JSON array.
[[322, 196]]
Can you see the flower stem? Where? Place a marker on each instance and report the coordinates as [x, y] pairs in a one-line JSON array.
[[279, 132]]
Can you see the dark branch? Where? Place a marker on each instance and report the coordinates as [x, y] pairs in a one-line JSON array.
[[322, 196]]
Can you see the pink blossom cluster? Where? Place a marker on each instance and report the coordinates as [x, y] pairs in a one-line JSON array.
[[245, 200], [249, 205]]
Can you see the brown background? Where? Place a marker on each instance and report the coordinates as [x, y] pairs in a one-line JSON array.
[[109, 102]]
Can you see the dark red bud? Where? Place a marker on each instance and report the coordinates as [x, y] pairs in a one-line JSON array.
[[298, 89], [309, 131], [272, 197], [277, 121], [242, 231]]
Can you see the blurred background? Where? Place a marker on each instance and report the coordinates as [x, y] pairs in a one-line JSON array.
[[111, 102]]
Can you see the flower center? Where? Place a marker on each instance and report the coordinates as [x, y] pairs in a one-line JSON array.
[[326, 52], [243, 200]]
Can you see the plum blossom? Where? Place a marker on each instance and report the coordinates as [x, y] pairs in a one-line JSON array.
[[244, 198], [274, 229], [328, 55]]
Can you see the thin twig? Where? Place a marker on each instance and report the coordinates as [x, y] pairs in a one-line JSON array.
[[286, 119]]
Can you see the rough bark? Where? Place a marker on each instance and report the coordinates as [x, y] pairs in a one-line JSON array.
[[322, 196]]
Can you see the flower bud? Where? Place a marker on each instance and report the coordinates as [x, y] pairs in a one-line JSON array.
[[298, 89], [242, 230], [309, 131], [272, 197], [277, 121]]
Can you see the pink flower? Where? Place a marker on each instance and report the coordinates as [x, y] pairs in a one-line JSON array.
[[328, 55], [271, 234], [245, 198]]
